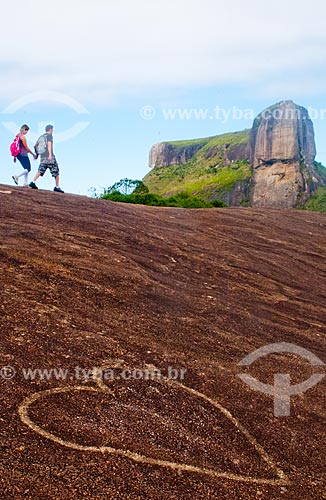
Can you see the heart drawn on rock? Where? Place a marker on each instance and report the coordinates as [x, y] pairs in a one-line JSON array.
[[162, 423]]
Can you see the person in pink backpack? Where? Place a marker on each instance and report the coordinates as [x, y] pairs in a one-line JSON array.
[[22, 155]]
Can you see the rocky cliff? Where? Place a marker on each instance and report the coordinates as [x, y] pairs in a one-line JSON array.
[[272, 165], [164, 154], [282, 154]]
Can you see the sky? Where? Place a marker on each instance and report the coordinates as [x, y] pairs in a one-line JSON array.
[[117, 77]]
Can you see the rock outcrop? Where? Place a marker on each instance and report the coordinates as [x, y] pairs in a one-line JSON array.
[[280, 150], [230, 153], [155, 287], [164, 154], [283, 151]]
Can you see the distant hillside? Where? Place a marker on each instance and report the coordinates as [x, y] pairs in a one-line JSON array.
[[218, 169], [272, 165]]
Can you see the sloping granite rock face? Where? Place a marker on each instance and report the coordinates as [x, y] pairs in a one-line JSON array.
[[282, 132], [230, 153], [283, 151], [163, 154]]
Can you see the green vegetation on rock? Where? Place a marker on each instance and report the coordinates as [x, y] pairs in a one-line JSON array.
[[317, 202], [208, 173], [320, 169], [216, 140]]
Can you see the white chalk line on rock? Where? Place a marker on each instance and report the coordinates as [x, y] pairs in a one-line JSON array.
[[23, 409]]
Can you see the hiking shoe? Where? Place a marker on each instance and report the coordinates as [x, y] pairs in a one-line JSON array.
[[15, 179], [58, 190], [33, 185]]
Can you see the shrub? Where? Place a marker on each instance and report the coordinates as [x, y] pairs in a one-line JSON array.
[[181, 200]]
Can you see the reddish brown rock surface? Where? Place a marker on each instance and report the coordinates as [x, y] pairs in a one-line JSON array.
[[91, 283]]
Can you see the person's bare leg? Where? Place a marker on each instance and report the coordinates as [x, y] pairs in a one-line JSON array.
[[57, 179], [37, 175]]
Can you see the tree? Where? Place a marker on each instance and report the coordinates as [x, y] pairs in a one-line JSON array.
[[127, 186], [141, 188]]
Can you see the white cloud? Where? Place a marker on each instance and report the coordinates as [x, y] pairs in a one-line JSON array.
[[297, 87], [93, 49]]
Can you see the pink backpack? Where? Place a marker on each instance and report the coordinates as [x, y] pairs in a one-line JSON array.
[[15, 146]]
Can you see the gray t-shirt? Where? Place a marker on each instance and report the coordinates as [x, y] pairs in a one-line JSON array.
[[45, 155]]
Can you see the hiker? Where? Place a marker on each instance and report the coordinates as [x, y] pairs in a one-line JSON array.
[[22, 156], [44, 147]]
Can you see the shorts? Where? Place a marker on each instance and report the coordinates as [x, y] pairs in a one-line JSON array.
[[25, 163], [52, 165]]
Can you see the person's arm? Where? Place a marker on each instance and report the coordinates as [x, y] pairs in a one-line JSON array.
[[36, 153], [50, 149], [23, 139]]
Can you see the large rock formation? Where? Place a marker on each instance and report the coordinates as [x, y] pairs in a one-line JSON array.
[[282, 155], [280, 148]]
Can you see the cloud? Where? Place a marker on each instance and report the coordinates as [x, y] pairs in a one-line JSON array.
[[295, 86], [99, 49]]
